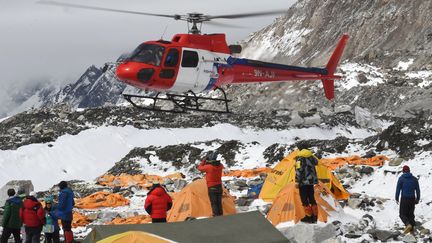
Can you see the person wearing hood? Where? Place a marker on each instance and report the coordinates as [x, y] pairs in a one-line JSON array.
[[306, 179], [11, 222], [51, 228], [213, 175], [157, 203], [410, 196], [33, 216], [64, 210]]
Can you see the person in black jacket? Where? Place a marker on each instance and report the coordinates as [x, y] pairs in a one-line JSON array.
[[409, 186]]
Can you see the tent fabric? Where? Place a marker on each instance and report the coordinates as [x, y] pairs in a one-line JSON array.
[[284, 173], [102, 199], [79, 220], [248, 172], [288, 207], [334, 163], [193, 202], [140, 219], [135, 237], [242, 227], [141, 180]]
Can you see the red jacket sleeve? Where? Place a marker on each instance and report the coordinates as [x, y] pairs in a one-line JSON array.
[[41, 214], [203, 167], [148, 201], [21, 214]]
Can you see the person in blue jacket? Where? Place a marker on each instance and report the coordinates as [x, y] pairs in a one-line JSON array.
[[64, 210], [51, 228], [409, 186]]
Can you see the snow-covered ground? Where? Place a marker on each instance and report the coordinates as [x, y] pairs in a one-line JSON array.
[[92, 152]]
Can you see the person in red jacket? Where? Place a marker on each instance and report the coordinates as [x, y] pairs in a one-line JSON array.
[[213, 169], [32, 215], [157, 203]]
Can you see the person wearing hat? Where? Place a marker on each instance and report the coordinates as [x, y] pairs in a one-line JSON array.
[[64, 210], [157, 203], [306, 179], [213, 175], [51, 228], [11, 222], [410, 196]]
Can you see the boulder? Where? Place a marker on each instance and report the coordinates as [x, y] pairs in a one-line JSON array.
[[308, 232], [383, 235], [25, 184], [395, 162], [409, 238], [354, 202]]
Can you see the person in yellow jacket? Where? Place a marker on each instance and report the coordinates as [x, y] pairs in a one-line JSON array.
[[306, 179]]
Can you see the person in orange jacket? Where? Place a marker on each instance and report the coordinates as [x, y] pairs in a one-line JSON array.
[[157, 203], [213, 169]]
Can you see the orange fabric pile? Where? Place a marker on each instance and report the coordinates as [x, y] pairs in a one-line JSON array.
[[141, 180], [79, 220], [102, 199], [247, 173], [334, 163], [140, 219]]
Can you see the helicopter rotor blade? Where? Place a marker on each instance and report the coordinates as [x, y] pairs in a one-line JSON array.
[[54, 3], [245, 15], [223, 24]]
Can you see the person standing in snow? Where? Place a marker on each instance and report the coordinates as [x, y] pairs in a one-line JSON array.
[[157, 203], [306, 179], [33, 217], [64, 210], [213, 169], [51, 228], [409, 186], [11, 222]]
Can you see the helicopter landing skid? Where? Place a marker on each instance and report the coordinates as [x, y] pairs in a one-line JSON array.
[[179, 103]]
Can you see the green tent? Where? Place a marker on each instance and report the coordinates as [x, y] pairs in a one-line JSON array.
[[243, 227]]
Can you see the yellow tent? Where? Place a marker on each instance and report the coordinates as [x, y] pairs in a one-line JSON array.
[[288, 207], [193, 201], [134, 237], [284, 173]]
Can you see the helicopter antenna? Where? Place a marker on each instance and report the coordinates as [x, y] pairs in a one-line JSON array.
[[166, 27]]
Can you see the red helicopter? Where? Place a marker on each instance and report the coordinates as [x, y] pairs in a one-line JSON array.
[[194, 63]]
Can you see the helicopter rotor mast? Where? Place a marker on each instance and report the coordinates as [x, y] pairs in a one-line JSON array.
[[193, 18]]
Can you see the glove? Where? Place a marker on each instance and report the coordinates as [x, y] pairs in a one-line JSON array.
[[417, 201]]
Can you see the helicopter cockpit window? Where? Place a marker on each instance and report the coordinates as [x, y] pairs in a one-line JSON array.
[[148, 53], [190, 59], [172, 57]]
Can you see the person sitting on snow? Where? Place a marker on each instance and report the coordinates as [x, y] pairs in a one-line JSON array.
[[409, 186], [306, 179]]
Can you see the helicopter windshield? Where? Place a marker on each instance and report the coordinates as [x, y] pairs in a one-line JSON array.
[[148, 53]]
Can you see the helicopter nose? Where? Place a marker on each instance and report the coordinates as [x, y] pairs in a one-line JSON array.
[[125, 72], [134, 73]]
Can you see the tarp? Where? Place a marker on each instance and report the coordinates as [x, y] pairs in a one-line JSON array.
[[334, 163], [243, 227], [193, 201], [139, 219], [79, 220], [102, 199], [141, 180], [248, 172], [134, 237], [288, 207], [284, 173]]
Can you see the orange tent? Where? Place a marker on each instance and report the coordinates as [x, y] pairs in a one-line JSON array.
[[79, 220], [193, 201], [102, 199], [334, 163], [139, 219], [247, 173], [288, 207], [141, 180]]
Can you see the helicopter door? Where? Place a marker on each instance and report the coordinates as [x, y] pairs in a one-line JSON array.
[[188, 71]]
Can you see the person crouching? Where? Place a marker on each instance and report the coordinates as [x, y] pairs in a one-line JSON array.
[[157, 203]]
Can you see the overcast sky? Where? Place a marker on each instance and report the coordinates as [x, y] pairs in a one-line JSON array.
[[40, 41]]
